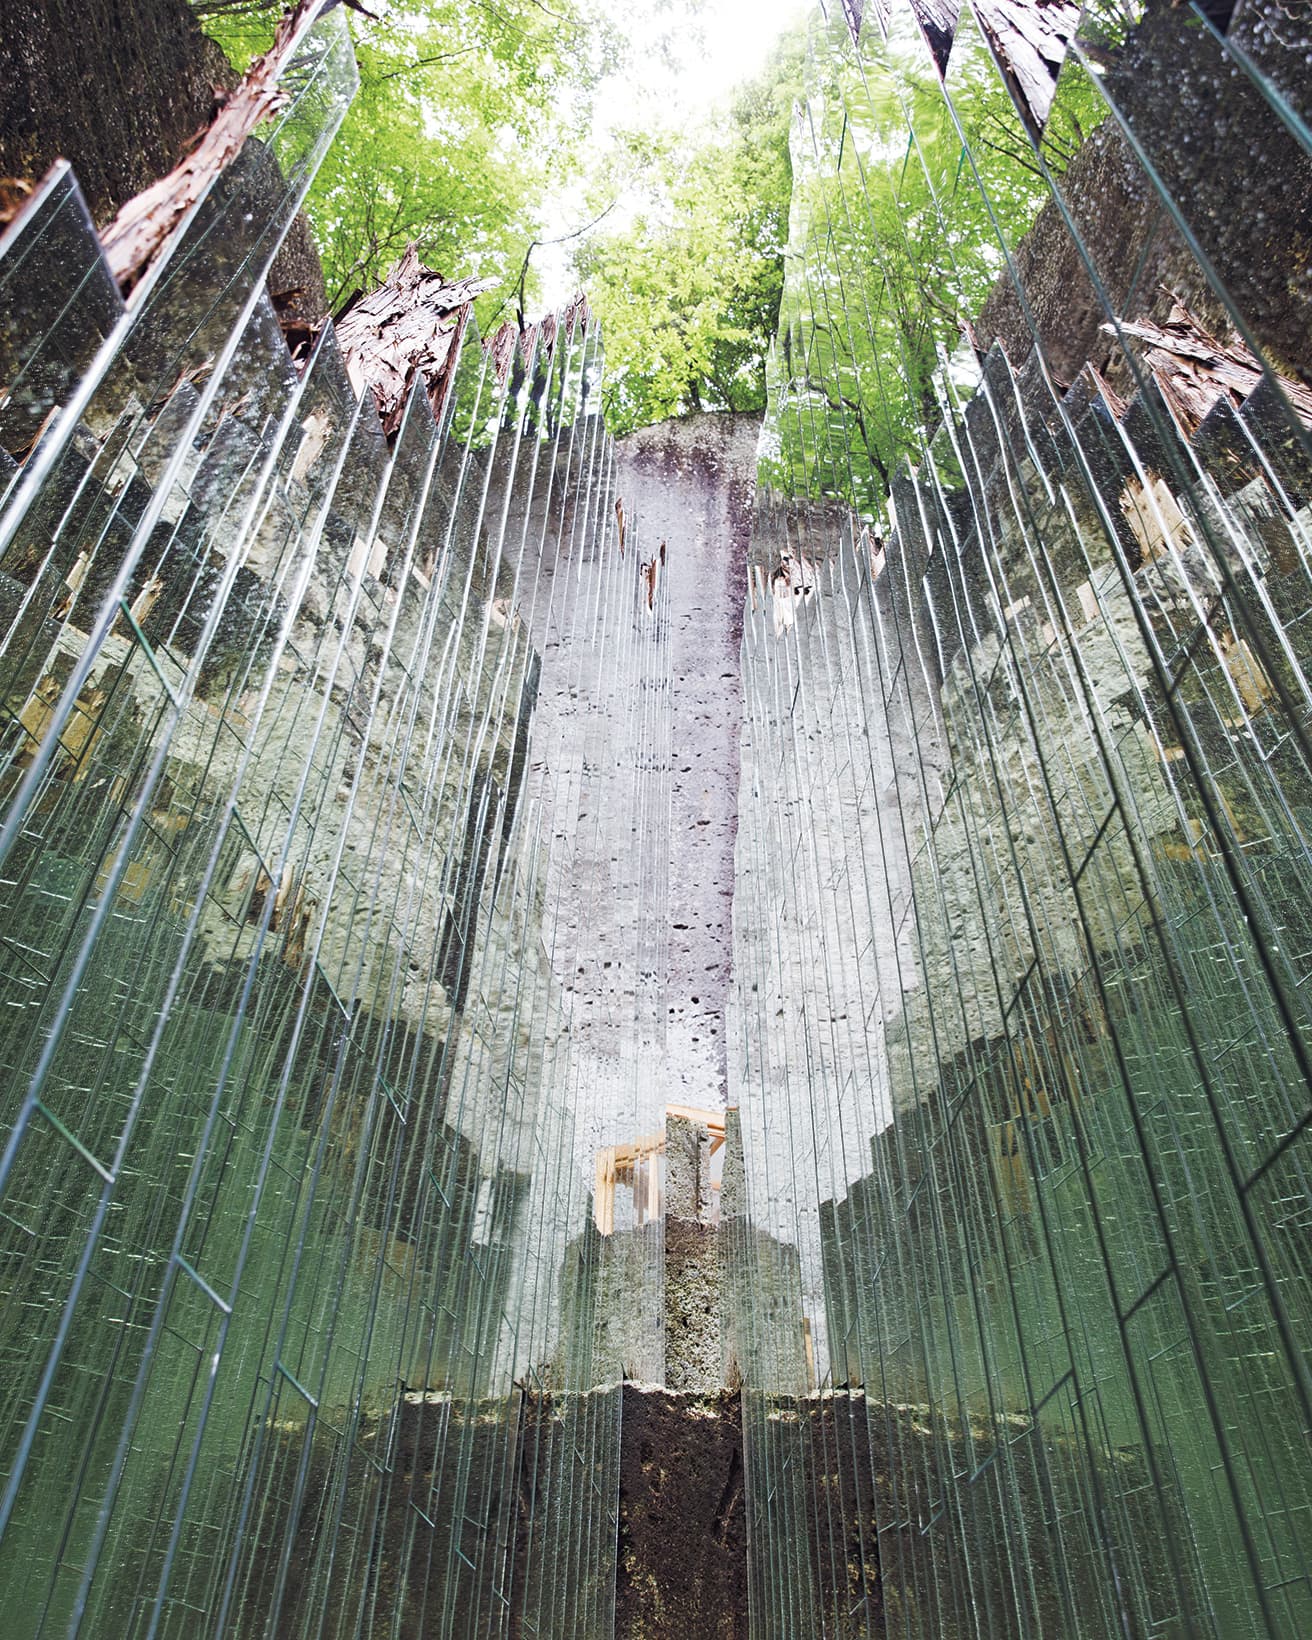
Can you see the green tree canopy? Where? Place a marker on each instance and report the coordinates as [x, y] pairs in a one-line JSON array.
[[474, 122], [902, 203], [469, 114], [687, 288]]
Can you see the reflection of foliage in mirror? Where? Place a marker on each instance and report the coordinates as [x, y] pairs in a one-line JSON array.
[[468, 114], [543, 402], [896, 222], [688, 290]]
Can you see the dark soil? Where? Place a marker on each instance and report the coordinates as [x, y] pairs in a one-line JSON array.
[[682, 1568]]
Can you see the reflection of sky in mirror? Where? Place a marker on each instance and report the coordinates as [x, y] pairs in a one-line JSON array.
[[735, 37], [685, 61]]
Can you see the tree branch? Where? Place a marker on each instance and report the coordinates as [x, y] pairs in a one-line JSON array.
[[424, 62], [561, 239]]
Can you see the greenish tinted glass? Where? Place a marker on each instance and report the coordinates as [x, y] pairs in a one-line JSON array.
[[1020, 1025]]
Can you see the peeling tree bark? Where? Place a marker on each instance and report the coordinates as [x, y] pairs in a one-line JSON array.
[[14, 195], [411, 324], [1193, 370], [501, 345], [1030, 39], [938, 23], [135, 237]]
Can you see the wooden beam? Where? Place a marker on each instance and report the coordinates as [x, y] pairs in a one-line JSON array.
[[603, 1195], [713, 1120]]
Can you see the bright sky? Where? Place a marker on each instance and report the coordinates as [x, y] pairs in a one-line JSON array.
[[731, 41], [727, 42], [737, 36]]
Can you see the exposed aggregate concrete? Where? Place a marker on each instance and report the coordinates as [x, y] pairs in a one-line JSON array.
[[691, 484]]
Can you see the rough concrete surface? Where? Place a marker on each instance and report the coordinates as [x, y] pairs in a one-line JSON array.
[[688, 1193], [119, 88], [693, 1284], [1241, 180], [691, 484], [116, 89]]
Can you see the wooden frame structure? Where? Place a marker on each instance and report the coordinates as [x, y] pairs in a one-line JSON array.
[[638, 1164]]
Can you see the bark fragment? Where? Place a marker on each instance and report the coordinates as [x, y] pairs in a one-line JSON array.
[[1193, 369], [135, 237], [412, 323], [1029, 39], [14, 194], [574, 316], [938, 23]]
